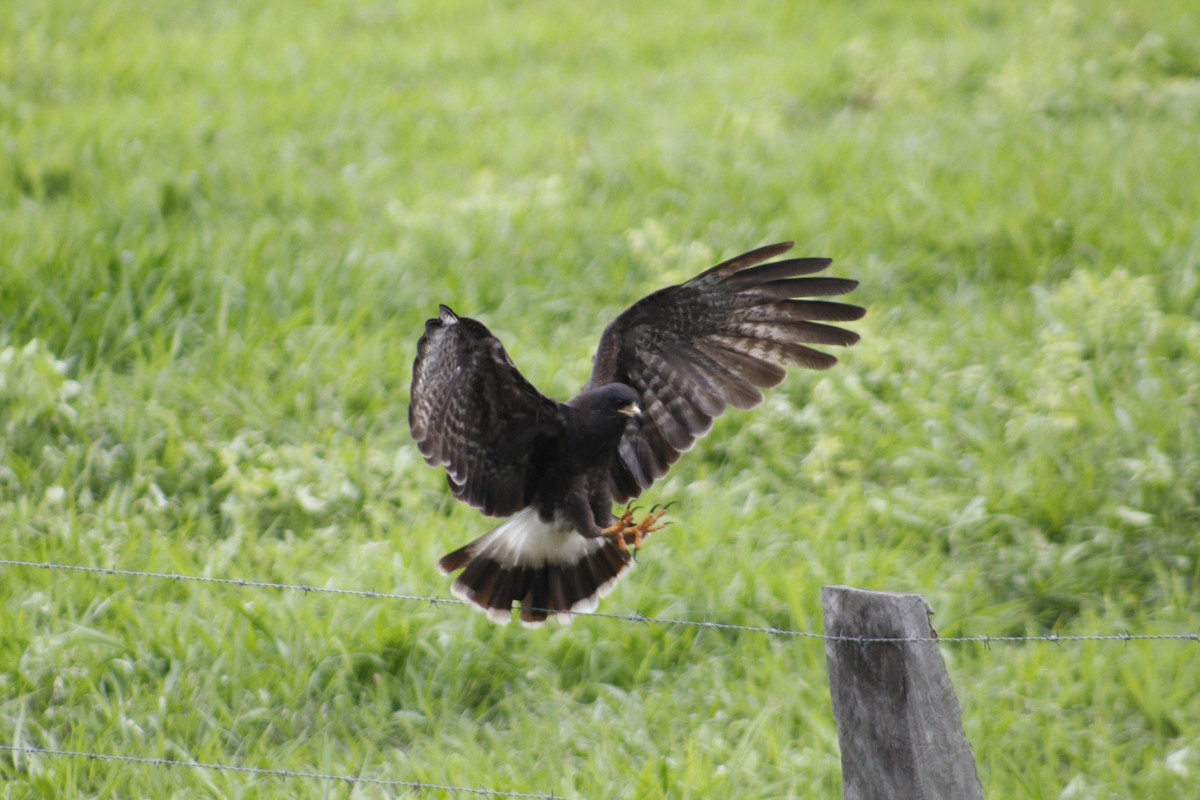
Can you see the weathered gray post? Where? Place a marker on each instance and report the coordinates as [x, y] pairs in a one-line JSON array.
[[899, 722]]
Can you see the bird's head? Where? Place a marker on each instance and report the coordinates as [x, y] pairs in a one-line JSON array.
[[614, 401], [625, 401]]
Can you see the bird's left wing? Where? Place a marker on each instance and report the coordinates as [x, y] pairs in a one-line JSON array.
[[694, 349], [473, 413]]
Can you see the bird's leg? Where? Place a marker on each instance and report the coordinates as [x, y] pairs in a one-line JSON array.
[[627, 532], [647, 526], [618, 529]]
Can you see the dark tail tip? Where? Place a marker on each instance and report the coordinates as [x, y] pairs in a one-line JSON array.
[[452, 562], [543, 591]]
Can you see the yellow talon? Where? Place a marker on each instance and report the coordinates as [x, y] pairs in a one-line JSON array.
[[618, 529], [647, 526], [628, 533]]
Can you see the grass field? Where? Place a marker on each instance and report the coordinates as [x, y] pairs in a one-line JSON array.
[[223, 224]]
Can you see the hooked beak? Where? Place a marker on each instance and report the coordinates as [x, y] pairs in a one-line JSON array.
[[633, 410]]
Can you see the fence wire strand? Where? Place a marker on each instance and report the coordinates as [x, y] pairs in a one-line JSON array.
[[434, 600], [275, 773]]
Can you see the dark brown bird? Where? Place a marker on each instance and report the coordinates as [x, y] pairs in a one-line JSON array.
[[664, 369]]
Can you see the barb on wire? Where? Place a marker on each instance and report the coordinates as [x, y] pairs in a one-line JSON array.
[[274, 773], [434, 601]]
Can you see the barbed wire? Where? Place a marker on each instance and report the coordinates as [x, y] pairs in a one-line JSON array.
[[434, 601], [276, 773], [238, 582]]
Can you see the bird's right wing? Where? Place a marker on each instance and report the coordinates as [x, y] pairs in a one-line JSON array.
[[473, 413]]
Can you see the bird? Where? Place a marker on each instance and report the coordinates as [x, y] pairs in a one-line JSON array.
[[664, 369]]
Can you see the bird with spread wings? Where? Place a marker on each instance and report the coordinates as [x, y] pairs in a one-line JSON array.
[[665, 368]]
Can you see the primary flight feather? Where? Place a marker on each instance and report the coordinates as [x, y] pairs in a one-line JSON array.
[[665, 368]]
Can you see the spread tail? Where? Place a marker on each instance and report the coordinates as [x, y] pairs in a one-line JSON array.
[[546, 568]]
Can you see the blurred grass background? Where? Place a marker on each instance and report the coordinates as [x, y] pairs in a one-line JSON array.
[[223, 224]]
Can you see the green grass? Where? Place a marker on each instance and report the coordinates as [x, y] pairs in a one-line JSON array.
[[223, 224]]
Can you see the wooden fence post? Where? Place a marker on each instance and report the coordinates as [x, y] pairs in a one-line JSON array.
[[899, 722]]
